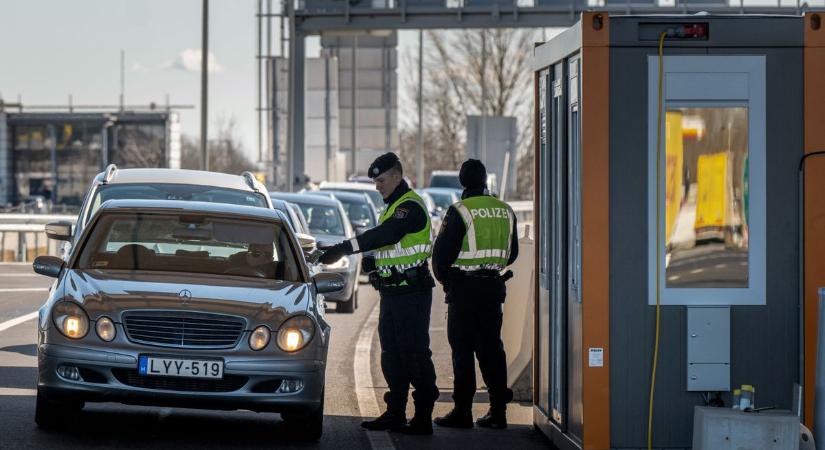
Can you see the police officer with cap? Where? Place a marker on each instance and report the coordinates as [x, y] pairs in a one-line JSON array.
[[399, 272], [478, 239]]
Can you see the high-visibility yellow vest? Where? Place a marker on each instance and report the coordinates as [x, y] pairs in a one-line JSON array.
[[489, 229], [412, 250]]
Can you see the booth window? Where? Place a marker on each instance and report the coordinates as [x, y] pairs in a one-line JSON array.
[[711, 194], [706, 197]]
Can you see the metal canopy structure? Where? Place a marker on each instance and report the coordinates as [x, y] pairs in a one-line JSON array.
[[313, 17]]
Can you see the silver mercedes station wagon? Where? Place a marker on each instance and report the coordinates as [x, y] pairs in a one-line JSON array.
[[184, 304]]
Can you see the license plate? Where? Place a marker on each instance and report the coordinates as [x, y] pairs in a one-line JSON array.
[[179, 367]]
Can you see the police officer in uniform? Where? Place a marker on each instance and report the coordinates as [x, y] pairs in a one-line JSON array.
[[478, 239], [403, 243]]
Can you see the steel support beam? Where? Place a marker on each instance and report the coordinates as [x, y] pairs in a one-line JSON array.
[[297, 64]]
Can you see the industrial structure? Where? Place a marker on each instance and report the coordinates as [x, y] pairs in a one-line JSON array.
[[53, 154], [679, 238]]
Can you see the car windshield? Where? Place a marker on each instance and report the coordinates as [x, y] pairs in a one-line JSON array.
[[190, 243], [375, 196], [445, 181], [170, 191], [358, 212], [442, 201], [323, 219]]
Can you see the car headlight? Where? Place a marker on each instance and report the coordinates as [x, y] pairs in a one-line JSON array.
[[70, 319], [342, 263], [105, 329], [295, 333], [259, 338]]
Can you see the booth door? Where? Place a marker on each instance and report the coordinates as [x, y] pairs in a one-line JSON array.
[[558, 325]]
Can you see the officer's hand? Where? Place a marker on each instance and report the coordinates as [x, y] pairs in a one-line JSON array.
[[368, 264], [333, 254]]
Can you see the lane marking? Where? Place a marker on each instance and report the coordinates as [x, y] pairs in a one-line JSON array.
[[20, 275], [44, 289], [18, 392], [364, 383], [17, 321]]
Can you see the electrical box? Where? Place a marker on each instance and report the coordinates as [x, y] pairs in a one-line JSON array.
[[708, 348]]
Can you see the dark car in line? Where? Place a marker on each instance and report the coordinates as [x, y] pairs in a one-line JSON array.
[[328, 224]]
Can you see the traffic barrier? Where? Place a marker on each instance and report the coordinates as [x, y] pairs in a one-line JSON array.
[[23, 236], [517, 329]]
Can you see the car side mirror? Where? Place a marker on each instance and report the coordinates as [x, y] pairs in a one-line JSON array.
[[61, 231], [306, 242], [48, 265], [327, 283]]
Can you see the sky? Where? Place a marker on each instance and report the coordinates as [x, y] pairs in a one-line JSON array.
[[53, 48]]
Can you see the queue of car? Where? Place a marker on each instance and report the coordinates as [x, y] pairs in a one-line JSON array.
[[198, 289]]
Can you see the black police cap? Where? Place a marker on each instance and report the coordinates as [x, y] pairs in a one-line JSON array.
[[473, 174], [382, 164]]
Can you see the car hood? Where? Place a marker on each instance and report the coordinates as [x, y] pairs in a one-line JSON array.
[[114, 292]]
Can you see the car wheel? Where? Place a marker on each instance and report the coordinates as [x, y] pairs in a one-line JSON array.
[[49, 413], [308, 426], [348, 306]]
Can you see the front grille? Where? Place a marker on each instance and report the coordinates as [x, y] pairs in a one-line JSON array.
[[184, 330], [130, 377]]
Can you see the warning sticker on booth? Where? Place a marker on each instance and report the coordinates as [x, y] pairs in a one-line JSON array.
[[596, 357]]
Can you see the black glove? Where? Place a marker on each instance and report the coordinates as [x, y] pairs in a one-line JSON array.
[[334, 253], [368, 263]]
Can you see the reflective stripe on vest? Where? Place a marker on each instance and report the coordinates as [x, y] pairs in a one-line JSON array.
[[413, 249], [489, 229]]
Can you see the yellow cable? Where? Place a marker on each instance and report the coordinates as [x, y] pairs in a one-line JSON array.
[[658, 237]]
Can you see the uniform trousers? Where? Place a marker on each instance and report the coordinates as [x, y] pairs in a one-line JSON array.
[[406, 359], [474, 331]]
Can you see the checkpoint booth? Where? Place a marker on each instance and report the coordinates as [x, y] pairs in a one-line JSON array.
[[697, 188]]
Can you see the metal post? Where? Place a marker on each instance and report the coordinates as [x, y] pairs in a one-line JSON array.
[[353, 117], [258, 83], [327, 112], [484, 96], [275, 143], [419, 166], [204, 84], [295, 138], [122, 77], [269, 68], [104, 145], [819, 387], [53, 154]]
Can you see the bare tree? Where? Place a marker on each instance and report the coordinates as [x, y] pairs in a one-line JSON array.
[[452, 90], [226, 152]]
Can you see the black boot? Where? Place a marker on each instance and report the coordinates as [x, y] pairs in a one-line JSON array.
[[419, 425], [386, 421], [496, 419], [457, 418]]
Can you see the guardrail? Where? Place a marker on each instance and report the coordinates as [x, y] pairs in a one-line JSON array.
[[23, 237]]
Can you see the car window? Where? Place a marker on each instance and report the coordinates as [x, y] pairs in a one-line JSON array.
[[445, 181], [191, 244], [442, 201], [301, 218], [359, 212], [323, 219], [375, 196], [170, 191]]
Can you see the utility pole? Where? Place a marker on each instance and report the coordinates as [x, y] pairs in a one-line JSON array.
[[353, 117], [483, 96], [204, 85], [122, 77], [419, 166]]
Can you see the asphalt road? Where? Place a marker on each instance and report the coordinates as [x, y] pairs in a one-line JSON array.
[[122, 426]]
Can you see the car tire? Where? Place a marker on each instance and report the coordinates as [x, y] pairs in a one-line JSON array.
[[49, 413], [348, 307], [308, 426]]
